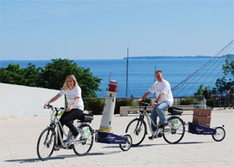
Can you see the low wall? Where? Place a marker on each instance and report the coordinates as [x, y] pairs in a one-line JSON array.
[[18, 101]]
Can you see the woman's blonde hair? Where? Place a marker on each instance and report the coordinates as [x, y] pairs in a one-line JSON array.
[[65, 85]]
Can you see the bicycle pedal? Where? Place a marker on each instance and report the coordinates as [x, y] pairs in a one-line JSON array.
[[166, 130]]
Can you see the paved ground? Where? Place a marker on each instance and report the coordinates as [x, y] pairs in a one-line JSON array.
[[19, 136]]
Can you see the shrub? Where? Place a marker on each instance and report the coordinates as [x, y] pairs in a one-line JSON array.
[[210, 102], [123, 102], [147, 100], [95, 106], [186, 102], [189, 101]]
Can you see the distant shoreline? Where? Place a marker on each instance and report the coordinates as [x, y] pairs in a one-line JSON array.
[[160, 57], [133, 57]]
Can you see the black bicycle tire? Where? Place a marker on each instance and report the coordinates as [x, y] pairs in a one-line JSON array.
[[145, 130], [38, 142], [213, 136], [91, 145], [177, 141], [127, 136]]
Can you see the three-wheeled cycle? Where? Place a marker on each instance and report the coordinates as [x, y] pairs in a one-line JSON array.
[[50, 136], [174, 131]]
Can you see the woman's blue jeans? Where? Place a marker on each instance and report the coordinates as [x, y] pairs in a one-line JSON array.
[[158, 111]]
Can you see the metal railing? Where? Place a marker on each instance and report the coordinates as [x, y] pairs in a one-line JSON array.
[[219, 100]]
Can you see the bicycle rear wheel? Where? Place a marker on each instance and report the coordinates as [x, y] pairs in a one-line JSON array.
[[45, 144], [85, 143], [137, 129], [174, 131]]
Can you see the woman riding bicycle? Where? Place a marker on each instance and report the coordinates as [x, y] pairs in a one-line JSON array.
[[72, 91]]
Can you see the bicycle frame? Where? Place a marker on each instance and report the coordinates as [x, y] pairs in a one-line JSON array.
[[53, 134], [55, 124], [148, 119]]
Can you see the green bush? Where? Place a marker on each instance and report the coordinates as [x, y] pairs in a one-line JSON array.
[[147, 100], [123, 102], [186, 102], [51, 76], [95, 106], [210, 102], [189, 101]]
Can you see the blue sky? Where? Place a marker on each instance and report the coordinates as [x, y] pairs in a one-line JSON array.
[[89, 29]]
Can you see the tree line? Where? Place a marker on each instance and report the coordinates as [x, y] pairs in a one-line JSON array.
[[224, 83], [51, 76]]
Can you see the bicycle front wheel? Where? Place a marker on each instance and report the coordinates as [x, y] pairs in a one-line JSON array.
[[174, 131], [45, 144], [85, 143], [137, 129]]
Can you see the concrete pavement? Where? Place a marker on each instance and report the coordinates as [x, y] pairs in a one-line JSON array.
[[18, 139]]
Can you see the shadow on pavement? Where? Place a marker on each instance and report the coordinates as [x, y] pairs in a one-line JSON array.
[[31, 160], [191, 142]]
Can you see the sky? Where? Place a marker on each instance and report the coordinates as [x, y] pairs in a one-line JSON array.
[[103, 29]]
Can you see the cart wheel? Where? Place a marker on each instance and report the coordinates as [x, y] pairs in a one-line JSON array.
[[220, 134], [128, 144]]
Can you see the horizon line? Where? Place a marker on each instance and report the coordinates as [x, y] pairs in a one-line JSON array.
[[117, 58]]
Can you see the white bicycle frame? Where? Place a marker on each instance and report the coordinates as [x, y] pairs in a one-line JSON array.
[[150, 121], [55, 121]]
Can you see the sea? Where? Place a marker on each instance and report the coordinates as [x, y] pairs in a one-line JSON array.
[[190, 72]]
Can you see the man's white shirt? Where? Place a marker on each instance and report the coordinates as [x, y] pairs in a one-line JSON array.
[[163, 87]]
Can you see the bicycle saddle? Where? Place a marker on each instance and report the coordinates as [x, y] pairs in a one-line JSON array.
[[175, 111]]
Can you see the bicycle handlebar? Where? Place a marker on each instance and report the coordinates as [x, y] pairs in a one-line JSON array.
[[55, 108], [144, 103]]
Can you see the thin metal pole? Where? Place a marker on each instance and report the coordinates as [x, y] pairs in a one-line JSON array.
[[154, 79], [109, 76], [127, 73]]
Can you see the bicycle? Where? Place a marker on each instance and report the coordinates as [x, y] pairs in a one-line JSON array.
[[49, 136], [172, 133]]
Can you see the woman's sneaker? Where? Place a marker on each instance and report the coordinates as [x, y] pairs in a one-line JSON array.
[[57, 147], [76, 138]]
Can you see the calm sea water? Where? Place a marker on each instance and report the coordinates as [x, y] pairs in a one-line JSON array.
[[141, 73]]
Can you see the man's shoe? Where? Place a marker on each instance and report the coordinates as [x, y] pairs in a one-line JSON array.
[[154, 135], [160, 135]]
